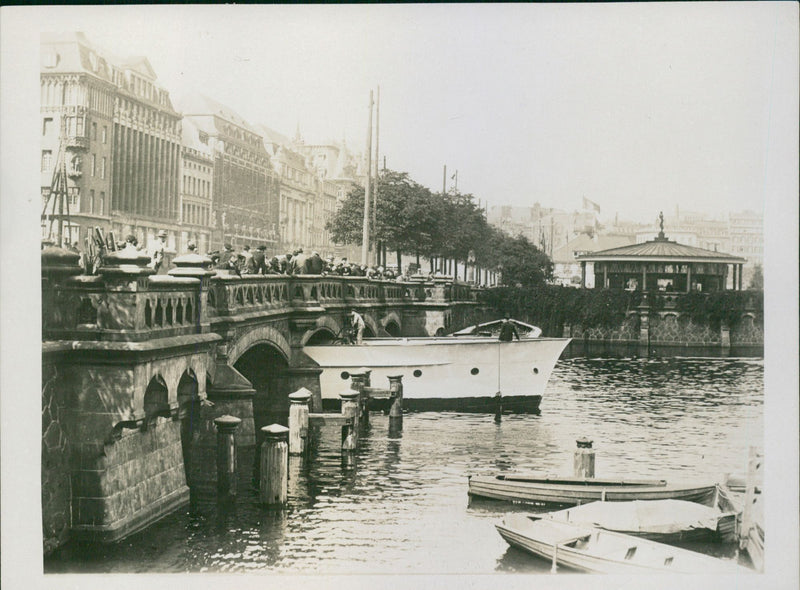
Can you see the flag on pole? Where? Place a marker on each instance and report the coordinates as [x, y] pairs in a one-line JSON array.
[[590, 205]]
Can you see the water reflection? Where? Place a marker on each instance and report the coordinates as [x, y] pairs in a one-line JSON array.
[[401, 505]]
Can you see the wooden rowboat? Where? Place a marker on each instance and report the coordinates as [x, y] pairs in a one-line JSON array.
[[575, 490], [666, 521], [596, 550]]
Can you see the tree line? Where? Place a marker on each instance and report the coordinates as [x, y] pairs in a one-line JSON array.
[[415, 221]]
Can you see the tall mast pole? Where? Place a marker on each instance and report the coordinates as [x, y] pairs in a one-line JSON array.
[[444, 180], [375, 240], [365, 230]]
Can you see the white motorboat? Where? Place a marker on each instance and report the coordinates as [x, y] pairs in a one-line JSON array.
[[470, 373]]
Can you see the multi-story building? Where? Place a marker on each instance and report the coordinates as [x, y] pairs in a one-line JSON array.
[[77, 113], [335, 163], [546, 228], [117, 137], [298, 190], [197, 188], [746, 231], [245, 191], [146, 157], [328, 203]]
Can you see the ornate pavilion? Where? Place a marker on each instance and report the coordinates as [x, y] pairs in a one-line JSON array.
[[663, 265]]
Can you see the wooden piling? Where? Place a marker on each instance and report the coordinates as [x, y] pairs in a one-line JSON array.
[[396, 410], [226, 456], [274, 482], [298, 420], [584, 458]]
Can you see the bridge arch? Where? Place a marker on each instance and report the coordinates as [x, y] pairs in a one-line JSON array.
[[156, 399], [392, 324], [372, 327], [324, 332], [266, 335]]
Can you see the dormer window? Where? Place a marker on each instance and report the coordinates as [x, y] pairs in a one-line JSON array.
[[50, 59]]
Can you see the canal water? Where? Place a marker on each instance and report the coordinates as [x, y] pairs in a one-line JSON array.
[[403, 507]]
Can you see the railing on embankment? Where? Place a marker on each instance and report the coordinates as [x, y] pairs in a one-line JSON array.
[[618, 322]]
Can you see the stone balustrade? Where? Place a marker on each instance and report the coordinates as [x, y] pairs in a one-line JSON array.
[[126, 301]]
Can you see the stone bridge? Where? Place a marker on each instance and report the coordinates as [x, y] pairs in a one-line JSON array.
[[136, 366]]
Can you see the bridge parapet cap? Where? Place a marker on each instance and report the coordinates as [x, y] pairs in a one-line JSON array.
[[59, 262], [169, 281], [126, 264], [192, 265]]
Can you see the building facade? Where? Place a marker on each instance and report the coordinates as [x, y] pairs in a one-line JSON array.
[[77, 118], [146, 156], [111, 131], [197, 188], [298, 192], [244, 189]]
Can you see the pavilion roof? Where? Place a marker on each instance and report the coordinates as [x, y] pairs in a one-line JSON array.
[[661, 250]]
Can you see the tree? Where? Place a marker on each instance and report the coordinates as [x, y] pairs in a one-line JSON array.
[[757, 280], [523, 263], [405, 218]]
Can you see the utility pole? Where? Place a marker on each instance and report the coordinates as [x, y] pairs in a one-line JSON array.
[[365, 230], [444, 180], [375, 240]]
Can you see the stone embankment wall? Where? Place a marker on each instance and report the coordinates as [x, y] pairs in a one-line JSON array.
[[671, 329]]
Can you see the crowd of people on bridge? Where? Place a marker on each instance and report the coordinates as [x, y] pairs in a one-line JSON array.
[[255, 262], [247, 261]]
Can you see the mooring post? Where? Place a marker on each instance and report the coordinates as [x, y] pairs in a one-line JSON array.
[[298, 420], [274, 483], [360, 381], [349, 399], [226, 456], [584, 458], [396, 410]]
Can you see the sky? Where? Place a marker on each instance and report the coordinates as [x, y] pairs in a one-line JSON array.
[[637, 107]]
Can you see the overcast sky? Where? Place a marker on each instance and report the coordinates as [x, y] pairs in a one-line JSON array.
[[638, 107]]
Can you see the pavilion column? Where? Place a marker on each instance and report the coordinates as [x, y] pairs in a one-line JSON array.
[[605, 275], [689, 277], [741, 282], [583, 274], [644, 277]]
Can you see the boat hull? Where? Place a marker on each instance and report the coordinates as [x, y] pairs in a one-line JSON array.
[[446, 374], [665, 521], [543, 492], [597, 551]]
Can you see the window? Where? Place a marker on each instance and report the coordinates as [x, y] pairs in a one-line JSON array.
[[94, 131], [47, 160], [47, 125], [105, 134], [91, 201], [94, 163], [102, 208], [103, 168]]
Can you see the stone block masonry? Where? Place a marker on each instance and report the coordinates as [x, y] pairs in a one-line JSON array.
[[121, 487]]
